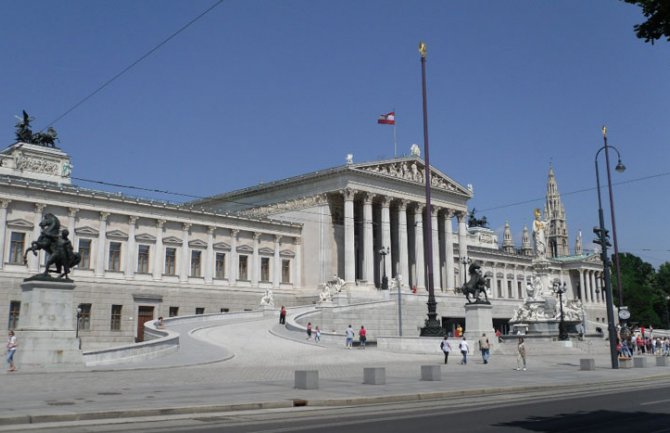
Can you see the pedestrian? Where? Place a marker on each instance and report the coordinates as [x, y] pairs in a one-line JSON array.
[[282, 315], [309, 330], [459, 330], [362, 336], [499, 336], [485, 348], [521, 355], [350, 337], [446, 348], [11, 350], [464, 348], [317, 335]]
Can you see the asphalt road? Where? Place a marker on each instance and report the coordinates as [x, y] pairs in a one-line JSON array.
[[631, 410]]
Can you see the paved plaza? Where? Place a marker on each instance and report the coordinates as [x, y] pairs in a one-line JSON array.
[[251, 364]]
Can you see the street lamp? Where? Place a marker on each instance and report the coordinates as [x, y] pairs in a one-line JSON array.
[[465, 260], [78, 320], [603, 241], [559, 289], [385, 281]]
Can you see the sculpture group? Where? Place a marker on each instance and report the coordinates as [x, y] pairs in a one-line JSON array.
[[476, 286], [57, 246], [25, 135]]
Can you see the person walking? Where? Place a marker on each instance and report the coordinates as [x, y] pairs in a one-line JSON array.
[[350, 337], [309, 330], [362, 336], [282, 315], [11, 350], [521, 355], [464, 348], [485, 348], [317, 335], [446, 348]]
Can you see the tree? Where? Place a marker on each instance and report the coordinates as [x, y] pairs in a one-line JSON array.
[[645, 301], [657, 25]]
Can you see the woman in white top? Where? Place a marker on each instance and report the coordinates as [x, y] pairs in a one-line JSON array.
[[11, 350]]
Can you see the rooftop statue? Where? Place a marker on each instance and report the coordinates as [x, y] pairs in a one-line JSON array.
[[59, 248], [25, 134]]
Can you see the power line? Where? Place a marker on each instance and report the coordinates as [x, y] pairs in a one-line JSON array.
[[135, 63]]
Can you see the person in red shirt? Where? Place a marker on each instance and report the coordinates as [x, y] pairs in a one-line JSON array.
[[282, 315], [362, 335]]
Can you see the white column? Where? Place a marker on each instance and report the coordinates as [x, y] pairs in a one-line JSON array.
[[592, 287], [185, 259], [368, 246], [255, 261], [296, 278], [158, 257], [4, 204], [386, 236], [102, 240], [209, 260], [419, 249], [234, 265], [599, 284], [349, 252], [71, 223], [449, 251], [582, 287], [276, 267], [403, 243], [132, 248], [463, 246], [437, 280], [34, 260]]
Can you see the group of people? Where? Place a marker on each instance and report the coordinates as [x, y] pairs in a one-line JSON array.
[[485, 349], [362, 337]]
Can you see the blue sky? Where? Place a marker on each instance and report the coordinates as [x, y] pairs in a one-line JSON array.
[[257, 91]]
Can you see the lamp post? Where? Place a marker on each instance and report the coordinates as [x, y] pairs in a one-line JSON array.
[[385, 281], [559, 289], [465, 260], [603, 241], [433, 327], [77, 332]]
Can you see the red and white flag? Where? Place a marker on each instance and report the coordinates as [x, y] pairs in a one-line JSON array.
[[387, 119]]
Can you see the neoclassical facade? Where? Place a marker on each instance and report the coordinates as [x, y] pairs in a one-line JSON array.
[[142, 259]]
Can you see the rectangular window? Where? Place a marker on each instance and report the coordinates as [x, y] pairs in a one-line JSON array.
[[14, 312], [174, 311], [85, 252], [115, 323], [499, 285], [114, 256], [16, 247], [509, 289], [265, 269], [518, 288], [286, 271], [85, 317], [199, 310], [170, 261], [195, 263], [143, 259], [220, 265], [243, 267]]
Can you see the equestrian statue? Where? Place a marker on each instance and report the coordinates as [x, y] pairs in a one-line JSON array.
[[57, 246], [476, 286]]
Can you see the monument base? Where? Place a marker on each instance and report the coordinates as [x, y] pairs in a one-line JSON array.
[[46, 334], [478, 321]]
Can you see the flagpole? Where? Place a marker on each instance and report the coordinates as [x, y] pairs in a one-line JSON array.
[[395, 137]]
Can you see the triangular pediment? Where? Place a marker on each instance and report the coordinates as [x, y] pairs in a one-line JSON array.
[[172, 240], [222, 246], [197, 243], [593, 258], [86, 231], [117, 234], [20, 224], [245, 249], [412, 170], [144, 237], [266, 251]]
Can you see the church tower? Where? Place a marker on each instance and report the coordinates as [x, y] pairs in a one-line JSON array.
[[554, 212]]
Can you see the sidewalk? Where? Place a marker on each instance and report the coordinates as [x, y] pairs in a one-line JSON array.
[[251, 365]]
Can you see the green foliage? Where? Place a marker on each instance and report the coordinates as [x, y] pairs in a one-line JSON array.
[[644, 290], [657, 25]]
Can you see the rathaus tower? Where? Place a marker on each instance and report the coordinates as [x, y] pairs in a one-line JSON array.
[[554, 212]]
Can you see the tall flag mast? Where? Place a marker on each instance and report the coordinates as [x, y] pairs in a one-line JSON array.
[[389, 119]]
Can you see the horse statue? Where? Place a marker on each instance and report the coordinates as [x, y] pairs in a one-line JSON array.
[[57, 245], [476, 286]]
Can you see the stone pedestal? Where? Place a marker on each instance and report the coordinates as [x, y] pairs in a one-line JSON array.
[[47, 328], [478, 321]]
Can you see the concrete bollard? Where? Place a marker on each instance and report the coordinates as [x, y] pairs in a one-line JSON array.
[[662, 361], [639, 362], [587, 364], [307, 379], [626, 363], [374, 376], [431, 372]]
